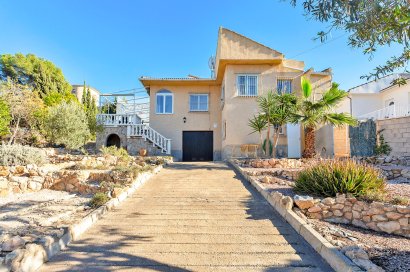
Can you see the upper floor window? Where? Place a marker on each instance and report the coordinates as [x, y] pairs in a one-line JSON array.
[[198, 102], [284, 86], [247, 85], [223, 96], [165, 101]]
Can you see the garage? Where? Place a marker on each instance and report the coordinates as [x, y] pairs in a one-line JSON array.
[[197, 145]]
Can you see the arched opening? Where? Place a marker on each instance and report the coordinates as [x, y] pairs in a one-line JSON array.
[[113, 140]]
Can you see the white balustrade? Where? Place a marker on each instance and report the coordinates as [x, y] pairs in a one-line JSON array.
[[393, 111], [118, 119], [148, 133]]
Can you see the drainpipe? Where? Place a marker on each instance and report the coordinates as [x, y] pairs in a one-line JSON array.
[[350, 104]]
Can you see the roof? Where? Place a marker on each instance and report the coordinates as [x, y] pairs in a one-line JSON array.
[[378, 85]]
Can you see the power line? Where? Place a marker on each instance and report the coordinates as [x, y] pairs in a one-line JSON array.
[[317, 46]]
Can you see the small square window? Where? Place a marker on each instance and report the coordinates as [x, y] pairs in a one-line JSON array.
[[198, 102], [247, 85], [284, 86]]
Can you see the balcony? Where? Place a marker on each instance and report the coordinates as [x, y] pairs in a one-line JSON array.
[[118, 119], [394, 111]]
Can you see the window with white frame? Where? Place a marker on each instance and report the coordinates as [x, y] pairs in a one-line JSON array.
[[165, 102], [198, 102], [284, 86], [247, 85]]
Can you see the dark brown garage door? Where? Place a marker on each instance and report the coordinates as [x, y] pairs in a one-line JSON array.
[[197, 145]]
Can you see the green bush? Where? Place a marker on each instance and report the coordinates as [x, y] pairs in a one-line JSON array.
[[382, 147], [121, 153], [5, 118], [67, 124], [12, 155], [328, 178], [98, 200]]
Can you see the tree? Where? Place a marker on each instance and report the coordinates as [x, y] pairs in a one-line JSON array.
[[275, 110], [91, 110], [23, 105], [40, 75], [370, 24], [313, 113], [67, 124], [5, 118], [257, 124]]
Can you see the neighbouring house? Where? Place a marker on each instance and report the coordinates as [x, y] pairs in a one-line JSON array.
[[381, 98], [202, 119], [79, 89], [388, 105]]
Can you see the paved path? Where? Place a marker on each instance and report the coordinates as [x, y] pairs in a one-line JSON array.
[[191, 217]]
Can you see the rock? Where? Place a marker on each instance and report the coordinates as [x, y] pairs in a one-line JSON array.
[[12, 260], [266, 179], [328, 201], [403, 222], [35, 186], [287, 202], [3, 183], [359, 223], [20, 170], [116, 191], [4, 171], [314, 209], [327, 214], [355, 252], [338, 206], [14, 243], [338, 220], [34, 256], [379, 218], [393, 215], [389, 227], [337, 212], [304, 202], [403, 209], [348, 215]]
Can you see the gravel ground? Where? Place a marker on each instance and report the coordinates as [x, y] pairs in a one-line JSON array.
[[390, 252], [45, 212]]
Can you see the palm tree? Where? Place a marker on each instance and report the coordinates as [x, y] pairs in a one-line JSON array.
[[274, 110], [313, 113], [266, 105], [257, 124]]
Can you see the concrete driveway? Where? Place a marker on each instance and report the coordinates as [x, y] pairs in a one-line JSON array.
[[191, 217]]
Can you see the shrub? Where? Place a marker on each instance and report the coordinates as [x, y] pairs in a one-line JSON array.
[[5, 118], [400, 200], [12, 155], [121, 153], [382, 147], [327, 178], [66, 124], [98, 200]]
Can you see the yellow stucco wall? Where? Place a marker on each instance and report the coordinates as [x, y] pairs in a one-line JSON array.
[[172, 125]]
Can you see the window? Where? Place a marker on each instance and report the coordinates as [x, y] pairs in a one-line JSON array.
[[247, 85], [164, 102], [280, 128], [223, 96], [284, 86], [198, 102]]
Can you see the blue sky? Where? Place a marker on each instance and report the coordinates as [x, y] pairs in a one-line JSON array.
[[112, 43]]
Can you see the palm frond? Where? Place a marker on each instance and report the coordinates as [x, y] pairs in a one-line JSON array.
[[339, 119], [306, 87]]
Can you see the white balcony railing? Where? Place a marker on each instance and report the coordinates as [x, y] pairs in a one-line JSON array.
[[142, 130], [118, 119], [394, 111]]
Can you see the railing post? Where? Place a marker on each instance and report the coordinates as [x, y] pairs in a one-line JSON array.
[[168, 146]]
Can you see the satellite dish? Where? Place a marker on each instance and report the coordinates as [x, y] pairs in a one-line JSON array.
[[211, 65]]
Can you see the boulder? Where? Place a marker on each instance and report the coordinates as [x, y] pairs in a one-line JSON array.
[[328, 201], [393, 215], [389, 227], [314, 209], [287, 202], [12, 260], [13, 243], [304, 202], [34, 256]]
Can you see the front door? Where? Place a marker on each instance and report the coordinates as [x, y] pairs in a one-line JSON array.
[[293, 132], [197, 145]]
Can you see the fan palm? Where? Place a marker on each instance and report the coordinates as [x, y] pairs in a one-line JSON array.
[[313, 113]]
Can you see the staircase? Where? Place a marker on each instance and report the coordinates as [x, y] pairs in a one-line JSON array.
[[148, 133], [136, 129]]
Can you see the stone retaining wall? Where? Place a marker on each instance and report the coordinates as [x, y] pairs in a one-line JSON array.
[[349, 210]]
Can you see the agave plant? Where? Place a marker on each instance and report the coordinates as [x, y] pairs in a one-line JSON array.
[[314, 113]]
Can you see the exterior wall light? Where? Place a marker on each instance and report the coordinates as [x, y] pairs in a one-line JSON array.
[[184, 119]]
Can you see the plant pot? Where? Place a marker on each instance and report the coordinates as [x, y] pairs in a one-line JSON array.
[[143, 152]]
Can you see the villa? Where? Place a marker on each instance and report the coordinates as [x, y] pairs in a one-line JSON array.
[[206, 119]]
